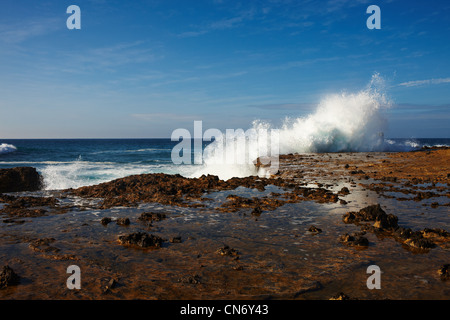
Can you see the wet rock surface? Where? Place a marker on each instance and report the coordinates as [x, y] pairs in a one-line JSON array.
[[245, 238], [29, 206], [176, 190]]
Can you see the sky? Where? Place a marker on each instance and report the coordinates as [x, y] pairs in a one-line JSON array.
[[141, 69]]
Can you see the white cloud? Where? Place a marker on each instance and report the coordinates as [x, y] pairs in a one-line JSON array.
[[416, 83]]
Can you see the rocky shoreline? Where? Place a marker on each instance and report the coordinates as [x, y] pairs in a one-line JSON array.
[[308, 232]]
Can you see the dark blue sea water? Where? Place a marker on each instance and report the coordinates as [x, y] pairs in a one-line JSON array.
[[73, 163]]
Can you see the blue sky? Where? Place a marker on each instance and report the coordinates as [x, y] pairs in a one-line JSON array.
[[144, 68]]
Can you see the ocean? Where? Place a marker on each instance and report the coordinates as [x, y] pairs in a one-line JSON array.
[[72, 163]]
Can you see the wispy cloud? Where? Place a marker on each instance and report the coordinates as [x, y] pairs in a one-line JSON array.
[[109, 58], [165, 117], [223, 24], [18, 33], [286, 106], [419, 111], [416, 83]]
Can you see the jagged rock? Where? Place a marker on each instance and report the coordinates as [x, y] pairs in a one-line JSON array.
[[420, 243], [372, 213], [344, 191], [340, 296], [105, 221], [388, 224], [355, 240], [8, 277], [141, 239], [151, 216], [19, 179], [257, 211], [416, 239], [314, 229], [444, 272], [123, 221], [227, 251]]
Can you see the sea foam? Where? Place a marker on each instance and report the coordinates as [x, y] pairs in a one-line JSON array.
[[7, 148], [343, 122]]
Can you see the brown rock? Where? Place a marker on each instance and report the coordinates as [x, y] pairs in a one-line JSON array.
[[152, 216], [355, 240], [444, 272], [123, 221], [8, 277], [19, 179], [340, 296], [141, 239], [176, 239], [227, 251], [314, 229], [105, 221]]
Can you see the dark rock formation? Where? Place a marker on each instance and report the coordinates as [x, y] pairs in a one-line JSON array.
[[354, 240], [444, 272], [314, 229], [344, 191], [235, 203], [152, 216], [141, 239], [388, 224], [123, 221], [19, 179], [8, 277], [340, 296], [29, 207], [105, 221], [372, 213], [176, 239], [227, 251]]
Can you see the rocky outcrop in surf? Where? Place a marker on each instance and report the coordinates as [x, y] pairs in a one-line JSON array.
[[19, 179]]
